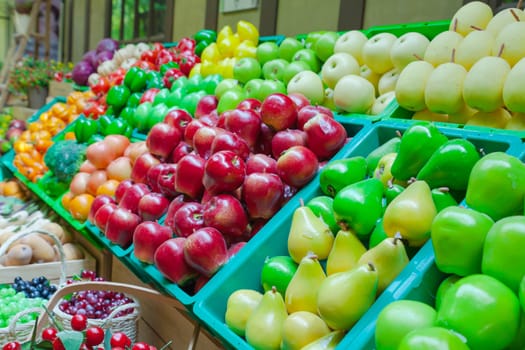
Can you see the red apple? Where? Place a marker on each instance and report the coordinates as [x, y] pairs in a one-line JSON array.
[[130, 199], [121, 189], [180, 151], [191, 129], [246, 123], [297, 166], [174, 205], [256, 226], [250, 103], [190, 175], [101, 216], [152, 206], [262, 193], [97, 203], [205, 250], [299, 100], [162, 139], [325, 135], [264, 143], [203, 139], [206, 105], [229, 141], [279, 112], [284, 139], [225, 213], [260, 163], [152, 176], [120, 227], [169, 259], [166, 180], [235, 248], [141, 166], [308, 112], [179, 118], [224, 171], [200, 282], [147, 237], [188, 218]]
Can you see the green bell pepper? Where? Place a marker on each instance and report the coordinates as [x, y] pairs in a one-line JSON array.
[[95, 138], [392, 191], [136, 79], [156, 115], [443, 198], [127, 114], [116, 126], [85, 128], [134, 99], [208, 35], [167, 66], [104, 121], [154, 80], [161, 96], [140, 118], [340, 173], [52, 186], [118, 96]]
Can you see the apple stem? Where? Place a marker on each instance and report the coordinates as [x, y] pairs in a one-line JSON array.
[[419, 58], [371, 266], [475, 27], [398, 133], [500, 52]]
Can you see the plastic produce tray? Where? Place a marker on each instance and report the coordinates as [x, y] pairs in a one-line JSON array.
[[45, 108], [428, 29], [354, 126], [244, 271]]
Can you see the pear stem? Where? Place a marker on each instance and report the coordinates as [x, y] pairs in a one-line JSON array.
[[455, 26], [371, 266], [312, 255], [453, 56], [398, 133], [475, 27], [301, 202], [412, 180], [482, 152], [274, 289], [444, 189], [397, 237], [419, 58], [390, 183], [518, 6], [343, 225], [500, 52]]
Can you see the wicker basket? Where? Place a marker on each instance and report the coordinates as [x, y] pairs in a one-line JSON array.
[[22, 331]]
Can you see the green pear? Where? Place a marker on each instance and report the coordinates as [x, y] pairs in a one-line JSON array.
[[509, 43], [346, 251], [301, 293], [328, 342], [239, 307], [519, 340], [382, 171], [411, 213], [344, 297], [516, 122], [498, 119], [373, 158], [476, 45], [461, 116], [430, 116], [264, 327], [483, 84], [302, 328], [513, 88], [444, 88], [441, 47], [410, 86], [308, 234], [389, 258], [504, 17], [473, 15]]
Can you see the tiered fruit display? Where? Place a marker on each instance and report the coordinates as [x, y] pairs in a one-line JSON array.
[[374, 214], [479, 303]]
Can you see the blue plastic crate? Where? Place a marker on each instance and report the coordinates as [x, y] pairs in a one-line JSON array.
[[244, 271]]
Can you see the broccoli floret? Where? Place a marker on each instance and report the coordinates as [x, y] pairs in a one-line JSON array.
[[64, 158]]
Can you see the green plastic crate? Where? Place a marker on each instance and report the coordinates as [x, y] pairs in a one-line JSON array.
[[244, 271], [354, 127], [428, 29]]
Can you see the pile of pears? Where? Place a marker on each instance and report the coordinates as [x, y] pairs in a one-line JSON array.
[[471, 74], [380, 211]]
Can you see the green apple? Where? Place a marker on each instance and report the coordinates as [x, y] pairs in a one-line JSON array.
[[210, 82], [189, 102], [443, 287], [277, 272], [337, 66], [354, 94], [376, 52], [246, 69], [521, 293], [407, 48], [267, 51], [476, 45], [324, 46], [227, 85], [292, 69], [370, 75], [382, 102], [503, 256], [322, 206], [288, 47], [239, 307], [274, 69], [458, 235], [473, 15], [229, 100], [312, 37], [269, 87], [513, 88], [352, 43], [388, 81], [433, 338], [308, 56], [309, 84], [482, 309], [441, 48], [399, 318], [252, 87]]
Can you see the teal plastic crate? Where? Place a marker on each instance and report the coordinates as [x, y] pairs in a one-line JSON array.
[[244, 271], [354, 128]]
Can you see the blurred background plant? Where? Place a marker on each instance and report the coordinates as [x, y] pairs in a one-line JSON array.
[[30, 72]]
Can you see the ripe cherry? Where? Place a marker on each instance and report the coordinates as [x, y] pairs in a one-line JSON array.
[[14, 345], [94, 336], [49, 334], [140, 346], [57, 344], [79, 322], [120, 339]]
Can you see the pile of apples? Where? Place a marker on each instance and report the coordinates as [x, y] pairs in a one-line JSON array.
[[214, 181], [470, 74]]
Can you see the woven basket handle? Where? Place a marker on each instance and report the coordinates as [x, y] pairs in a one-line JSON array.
[[103, 285], [14, 320], [17, 236], [109, 320]]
